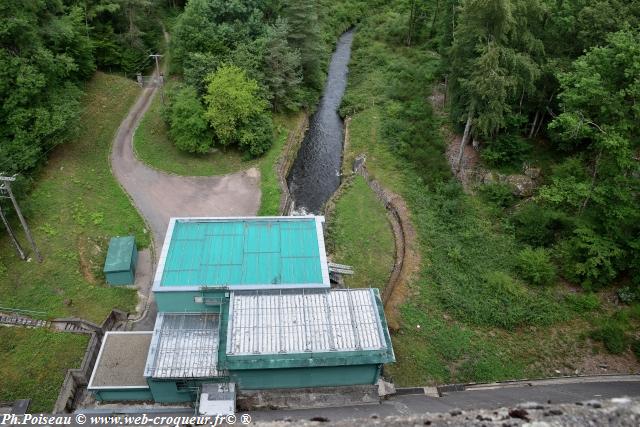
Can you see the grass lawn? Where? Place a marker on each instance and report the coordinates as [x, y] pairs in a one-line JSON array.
[[34, 363], [152, 145], [366, 246], [74, 208]]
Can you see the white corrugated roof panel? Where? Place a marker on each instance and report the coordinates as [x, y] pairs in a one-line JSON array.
[[273, 322], [184, 346]]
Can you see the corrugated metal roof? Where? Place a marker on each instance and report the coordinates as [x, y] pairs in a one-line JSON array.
[[269, 252], [119, 254], [289, 322], [184, 346]]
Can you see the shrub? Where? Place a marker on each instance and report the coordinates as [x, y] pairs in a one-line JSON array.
[[612, 336], [589, 258], [537, 225], [535, 266], [498, 194], [628, 294], [506, 150], [582, 303], [188, 127]]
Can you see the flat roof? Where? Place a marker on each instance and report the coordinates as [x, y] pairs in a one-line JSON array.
[[121, 361], [119, 254], [184, 345], [243, 253], [304, 321]]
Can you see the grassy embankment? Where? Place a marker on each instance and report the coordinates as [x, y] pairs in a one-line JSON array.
[[75, 206], [469, 317], [360, 235], [34, 363]]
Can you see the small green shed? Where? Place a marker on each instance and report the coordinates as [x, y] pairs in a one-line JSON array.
[[122, 256]]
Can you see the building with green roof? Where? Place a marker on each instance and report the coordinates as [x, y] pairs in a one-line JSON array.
[[247, 302], [207, 257]]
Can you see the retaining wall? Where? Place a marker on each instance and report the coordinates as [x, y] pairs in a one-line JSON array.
[[77, 379], [288, 155]]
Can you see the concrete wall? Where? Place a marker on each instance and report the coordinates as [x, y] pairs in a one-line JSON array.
[[76, 379]]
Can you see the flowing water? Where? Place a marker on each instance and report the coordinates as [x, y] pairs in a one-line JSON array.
[[315, 174]]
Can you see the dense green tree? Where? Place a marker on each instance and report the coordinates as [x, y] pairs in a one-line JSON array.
[[600, 124], [282, 69], [217, 27], [44, 53], [236, 112], [492, 62], [188, 126], [305, 36]]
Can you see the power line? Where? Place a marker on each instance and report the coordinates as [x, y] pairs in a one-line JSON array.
[[5, 191]]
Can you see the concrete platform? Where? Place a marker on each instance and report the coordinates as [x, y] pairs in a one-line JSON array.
[[121, 360]]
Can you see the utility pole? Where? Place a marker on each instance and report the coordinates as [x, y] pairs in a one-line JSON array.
[[5, 188], [13, 236], [159, 75]]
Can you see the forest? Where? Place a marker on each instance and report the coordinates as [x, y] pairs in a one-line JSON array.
[[548, 85], [562, 75]]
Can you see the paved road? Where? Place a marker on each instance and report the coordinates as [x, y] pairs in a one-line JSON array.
[[159, 196], [471, 399]]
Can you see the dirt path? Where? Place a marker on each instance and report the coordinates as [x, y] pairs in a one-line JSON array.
[[158, 196]]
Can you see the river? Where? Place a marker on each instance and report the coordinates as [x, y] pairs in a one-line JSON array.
[[315, 174]]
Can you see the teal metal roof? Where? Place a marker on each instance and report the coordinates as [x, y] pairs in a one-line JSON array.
[[270, 252], [119, 254]]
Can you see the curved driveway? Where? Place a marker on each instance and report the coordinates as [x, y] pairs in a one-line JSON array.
[[158, 196]]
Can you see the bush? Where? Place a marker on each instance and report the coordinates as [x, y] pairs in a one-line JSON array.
[[612, 336], [498, 194], [236, 111], [589, 258], [537, 225], [188, 127], [535, 266], [583, 303], [628, 294], [506, 150]]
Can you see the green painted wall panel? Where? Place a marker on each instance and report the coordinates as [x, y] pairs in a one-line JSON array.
[[183, 302], [123, 395], [332, 376], [170, 391], [120, 278]]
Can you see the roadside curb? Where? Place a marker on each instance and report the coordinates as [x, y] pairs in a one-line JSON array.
[[439, 391]]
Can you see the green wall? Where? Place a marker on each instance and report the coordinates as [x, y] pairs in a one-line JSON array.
[[330, 376], [124, 394], [172, 391], [169, 392], [183, 302]]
